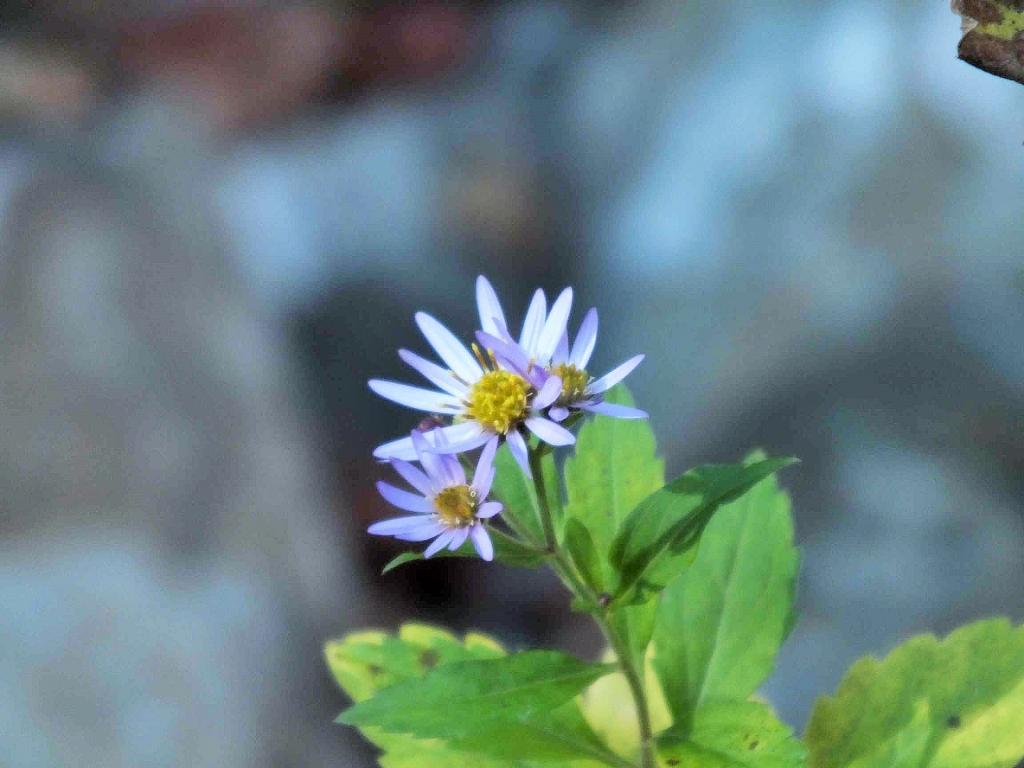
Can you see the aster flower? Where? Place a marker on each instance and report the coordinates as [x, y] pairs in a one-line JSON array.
[[448, 509], [486, 401], [541, 331], [539, 355], [579, 390]]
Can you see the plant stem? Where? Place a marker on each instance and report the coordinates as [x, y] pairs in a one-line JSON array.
[[564, 567], [634, 677], [537, 469]]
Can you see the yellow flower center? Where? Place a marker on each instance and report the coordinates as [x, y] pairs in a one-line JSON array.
[[574, 383], [456, 506], [498, 401]]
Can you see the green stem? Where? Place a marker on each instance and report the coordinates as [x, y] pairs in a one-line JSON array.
[[565, 569], [537, 468], [634, 678], [527, 544]]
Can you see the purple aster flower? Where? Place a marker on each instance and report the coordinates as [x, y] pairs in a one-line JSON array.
[[486, 401], [545, 353], [448, 509], [579, 390], [541, 331]]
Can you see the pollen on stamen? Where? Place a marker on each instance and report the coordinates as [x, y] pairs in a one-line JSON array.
[[480, 357], [574, 383], [456, 506], [499, 401]]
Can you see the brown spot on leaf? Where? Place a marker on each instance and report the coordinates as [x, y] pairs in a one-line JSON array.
[[374, 670], [429, 659], [754, 745], [953, 721]]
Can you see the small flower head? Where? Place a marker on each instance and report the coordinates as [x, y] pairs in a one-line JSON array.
[[499, 399], [542, 352], [574, 383], [448, 509], [581, 392], [488, 400]]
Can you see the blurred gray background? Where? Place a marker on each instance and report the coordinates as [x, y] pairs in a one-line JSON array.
[[216, 222]]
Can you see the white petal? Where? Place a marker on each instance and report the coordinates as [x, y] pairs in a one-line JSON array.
[[548, 393], [492, 319], [561, 351], [517, 446], [615, 410], [484, 466], [398, 525], [439, 543], [482, 542], [509, 354], [586, 340], [558, 413], [613, 377], [456, 474], [413, 476], [534, 323], [449, 348], [549, 432], [402, 448], [459, 539], [414, 397], [428, 531], [410, 502], [483, 483], [426, 443], [463, 437], [554, 327], [489, 509], [456, 435], [434, 373]]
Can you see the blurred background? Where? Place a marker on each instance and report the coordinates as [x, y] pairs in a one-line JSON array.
[[217, 219]]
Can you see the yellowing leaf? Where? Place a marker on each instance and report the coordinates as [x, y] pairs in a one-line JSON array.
[[971, 685], [608, 707], [744, 734], [365, 663]]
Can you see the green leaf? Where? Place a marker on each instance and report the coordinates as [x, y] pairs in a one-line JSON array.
[[614, 468], [608, 706], [655, 539], [517, 493], [405, 752], [584, 555], [506, 550], [399, 560], [560, 735], [969, 686], [454, 700], [906, 749], [721, 622], [364, 663], [742, 734]]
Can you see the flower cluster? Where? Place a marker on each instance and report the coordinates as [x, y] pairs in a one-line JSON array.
[[499, 389]]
